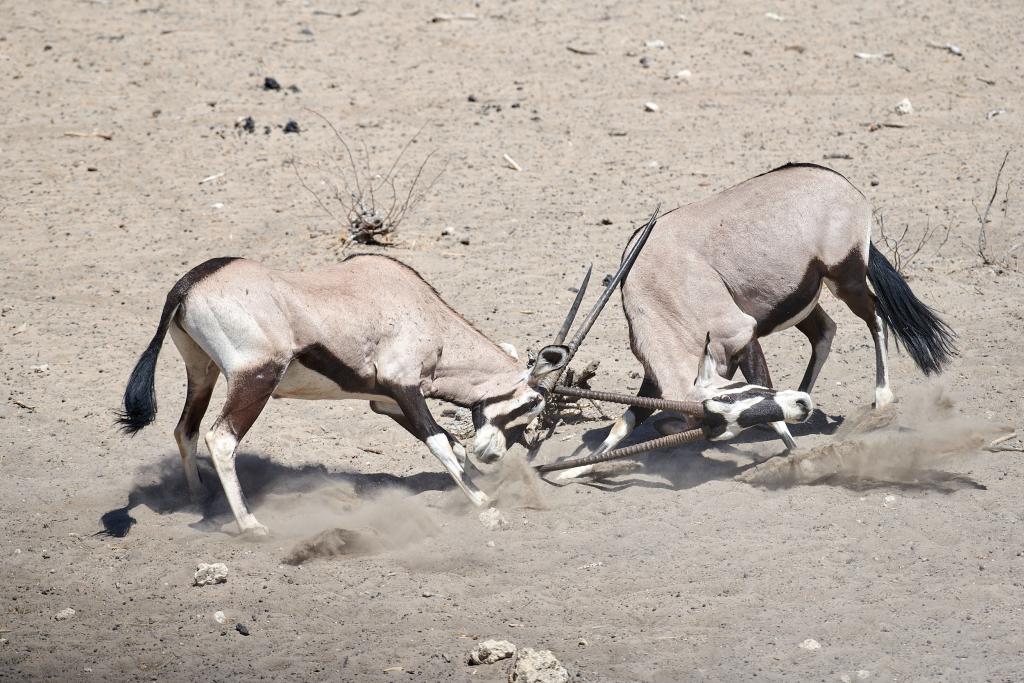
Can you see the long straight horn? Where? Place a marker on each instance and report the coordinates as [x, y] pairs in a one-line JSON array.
[[553, 359], [623, 270], [562, 333]]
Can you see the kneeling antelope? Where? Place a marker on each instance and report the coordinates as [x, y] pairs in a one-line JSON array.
[[752, 260], [370, 328]]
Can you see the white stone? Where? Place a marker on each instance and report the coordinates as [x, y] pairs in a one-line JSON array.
[[684, 74], [209, 574], [491, 651], [64, 614], [810, 644], [220, 617], [537, 666], [656, 44], [863, 674], [492, 519], [904, 108], [651, 106]]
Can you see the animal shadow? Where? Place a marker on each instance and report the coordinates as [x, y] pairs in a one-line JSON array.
[[162, 488]]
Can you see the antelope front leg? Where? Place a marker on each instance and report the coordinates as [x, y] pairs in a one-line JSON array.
[[425, 428]]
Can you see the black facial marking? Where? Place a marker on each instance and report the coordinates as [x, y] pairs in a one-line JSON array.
[[320, 360], [762, 412]]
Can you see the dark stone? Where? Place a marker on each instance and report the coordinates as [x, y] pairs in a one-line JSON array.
[[471, 98], [242, 628], [270, 83], [291, 127]]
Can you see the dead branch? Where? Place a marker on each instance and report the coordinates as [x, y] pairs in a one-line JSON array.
[[903, 252], [983, 217], [373, 204]]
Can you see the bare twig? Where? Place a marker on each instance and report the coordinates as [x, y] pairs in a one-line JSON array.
[[902, 252], [372, 219], [986, 258]]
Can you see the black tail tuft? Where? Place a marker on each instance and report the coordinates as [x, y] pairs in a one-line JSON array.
[[928, 340], [140, 394]]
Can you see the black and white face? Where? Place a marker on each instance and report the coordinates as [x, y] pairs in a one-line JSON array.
[[502, 420], [739, 406]]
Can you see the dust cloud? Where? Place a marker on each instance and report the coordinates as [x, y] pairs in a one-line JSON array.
[[904, 444]]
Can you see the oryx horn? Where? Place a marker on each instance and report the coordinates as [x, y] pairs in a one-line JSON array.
[[549, 381]]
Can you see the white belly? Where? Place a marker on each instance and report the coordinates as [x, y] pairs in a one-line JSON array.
[[301, 382]]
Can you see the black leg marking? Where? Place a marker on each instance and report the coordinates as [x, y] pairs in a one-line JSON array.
[[819, 329], [753, 364]]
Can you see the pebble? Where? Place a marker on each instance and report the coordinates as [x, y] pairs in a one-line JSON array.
[[271, 84], [491, 651], [492, 519], [292, 126], [537, 666], [684, 74], [242, 628], [651, 106], [656, 44], [904, 108], [210, 574], [64, 614], [810, 644]]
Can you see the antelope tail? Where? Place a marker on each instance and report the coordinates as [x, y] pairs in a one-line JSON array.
[[928, 340], [140, 394]]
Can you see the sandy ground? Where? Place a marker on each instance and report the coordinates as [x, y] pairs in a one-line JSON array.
[[905, 565]]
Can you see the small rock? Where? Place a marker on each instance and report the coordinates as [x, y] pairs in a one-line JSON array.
[[492, 519], [645, 62], [684, 74], [40, 369], [491, 651], [4, 641], [773, 16], [874, 182], [863, 674], [606, 221], [220, 617], [810, 644], [490, 544], [904, 108], [655, 44], [294, 88], [537, 666], [247, 124], [271, 84], [447, 231], [292, 126], [427, 594], [64, 614], [890, 499], [209, 574], [651, 106], [463, 240], [242, 628], [582, 642], [471, 98]]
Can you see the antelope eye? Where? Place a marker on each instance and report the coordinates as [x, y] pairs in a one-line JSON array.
[[725, 398]]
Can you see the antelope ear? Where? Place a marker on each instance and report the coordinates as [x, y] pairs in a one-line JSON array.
[[707, 369], [550, 359], [509, 349]]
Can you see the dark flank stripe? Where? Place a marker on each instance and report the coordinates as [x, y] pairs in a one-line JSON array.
[[320, 360]]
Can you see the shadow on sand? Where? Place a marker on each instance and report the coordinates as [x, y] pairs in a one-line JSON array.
[[162, 488]]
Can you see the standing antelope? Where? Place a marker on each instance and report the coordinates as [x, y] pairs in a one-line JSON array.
[[751, 261], [369, 328]]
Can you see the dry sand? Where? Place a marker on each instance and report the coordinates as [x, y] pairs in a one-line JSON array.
[[674, 571]]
